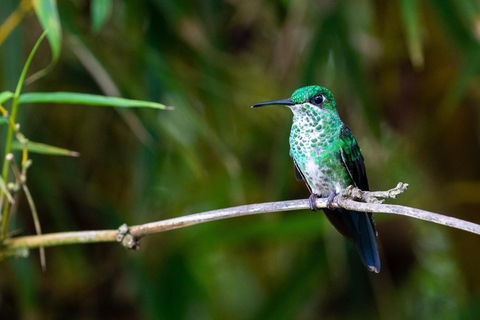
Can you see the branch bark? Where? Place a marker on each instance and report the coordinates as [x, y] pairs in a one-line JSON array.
[[129, 236]]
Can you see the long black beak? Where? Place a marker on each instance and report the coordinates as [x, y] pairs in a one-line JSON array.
[[284, 102]]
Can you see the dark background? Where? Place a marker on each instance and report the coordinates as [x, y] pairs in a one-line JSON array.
[[405, 75]]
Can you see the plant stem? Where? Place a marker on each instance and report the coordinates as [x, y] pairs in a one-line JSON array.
[[8, 149], [11, 129]]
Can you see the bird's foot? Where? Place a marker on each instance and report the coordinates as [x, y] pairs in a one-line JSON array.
[[312, 201], [330, 198]]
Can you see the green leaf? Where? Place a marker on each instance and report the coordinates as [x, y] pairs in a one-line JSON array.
[[47, 14], [3, 120], [409, 9], [4, 96], [87, 99], [100, 10], [42, 148]]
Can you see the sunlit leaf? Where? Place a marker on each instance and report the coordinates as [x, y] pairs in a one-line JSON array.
[[42, 148], [100, 10], [4, 96], [87, 99]]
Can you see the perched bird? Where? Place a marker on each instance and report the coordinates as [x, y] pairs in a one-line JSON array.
[[327, 157]]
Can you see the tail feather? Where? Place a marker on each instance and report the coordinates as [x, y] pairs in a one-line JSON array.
[[359, 228]]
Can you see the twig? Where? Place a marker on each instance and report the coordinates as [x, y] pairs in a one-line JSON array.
[[129, 236], [372, 196], [21, 178]]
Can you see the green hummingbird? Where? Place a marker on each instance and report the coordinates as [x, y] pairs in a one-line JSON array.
[[327, 157]]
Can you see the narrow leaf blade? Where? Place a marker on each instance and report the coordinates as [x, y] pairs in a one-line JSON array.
[[42, 148], [5, 95], [87, 99]]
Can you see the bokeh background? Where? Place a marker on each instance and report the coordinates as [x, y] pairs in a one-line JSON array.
[[405, 75]]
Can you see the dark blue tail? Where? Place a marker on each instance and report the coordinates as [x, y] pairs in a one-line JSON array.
[[359, 228]]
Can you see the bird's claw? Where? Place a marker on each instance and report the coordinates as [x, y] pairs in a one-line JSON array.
[[312, 202], [330, 198]]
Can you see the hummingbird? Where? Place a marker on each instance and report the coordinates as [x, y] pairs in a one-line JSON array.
[[327, 157]]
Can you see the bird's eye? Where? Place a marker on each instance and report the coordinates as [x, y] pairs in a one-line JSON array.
[[318, 99]]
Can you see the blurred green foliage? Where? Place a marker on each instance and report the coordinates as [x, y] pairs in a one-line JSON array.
[[405, 75]]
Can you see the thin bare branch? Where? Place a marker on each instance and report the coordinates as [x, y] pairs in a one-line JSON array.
[[411, 212], [185, 221], [129, 236]]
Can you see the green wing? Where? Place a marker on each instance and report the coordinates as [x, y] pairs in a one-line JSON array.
[[352, 158]]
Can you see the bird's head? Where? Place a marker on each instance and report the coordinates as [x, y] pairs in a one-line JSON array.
[[314, 97]]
